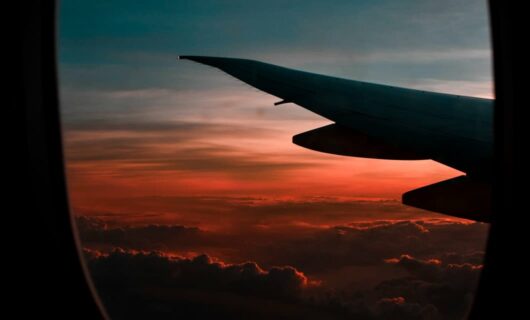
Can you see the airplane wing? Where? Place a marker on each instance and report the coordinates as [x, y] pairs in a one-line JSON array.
[[386, 122]]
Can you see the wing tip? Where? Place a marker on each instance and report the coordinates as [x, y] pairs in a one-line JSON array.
[[207, 60], [185, 57], [195, 58]]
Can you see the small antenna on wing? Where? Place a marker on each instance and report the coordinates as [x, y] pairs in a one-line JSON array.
[[281, 102]]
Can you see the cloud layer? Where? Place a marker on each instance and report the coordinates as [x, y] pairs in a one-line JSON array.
[[318, 249], [154, 286], [379, 269], [136, 285]]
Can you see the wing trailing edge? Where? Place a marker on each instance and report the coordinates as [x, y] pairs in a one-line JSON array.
[[461, 197], [340, 140]]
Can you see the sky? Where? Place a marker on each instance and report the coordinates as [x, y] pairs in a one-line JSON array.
[[176, 162]]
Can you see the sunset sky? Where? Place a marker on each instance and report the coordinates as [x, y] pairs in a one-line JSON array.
[[203, 163]]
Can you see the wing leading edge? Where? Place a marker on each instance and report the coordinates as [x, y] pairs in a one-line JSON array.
[[385, 122]]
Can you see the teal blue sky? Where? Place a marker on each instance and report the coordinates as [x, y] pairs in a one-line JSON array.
[[128, 45]]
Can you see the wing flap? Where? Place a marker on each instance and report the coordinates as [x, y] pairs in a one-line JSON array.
[[461, 197], [340, 140]]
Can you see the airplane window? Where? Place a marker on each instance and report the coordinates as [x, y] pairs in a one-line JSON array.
[[279, 159]]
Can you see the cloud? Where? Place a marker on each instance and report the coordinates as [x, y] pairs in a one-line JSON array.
[[260, 212], [431, 289], [145, 158], [327, 252], [448, 286], [154, 268], [162, 128], [153, 284], [422, 269], [95, 233], [433, 269], [132, 284], [157, 146], [369, 245], [399, 308], [425, 269]]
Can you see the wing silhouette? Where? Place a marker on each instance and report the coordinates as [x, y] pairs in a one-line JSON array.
[[385, 122]]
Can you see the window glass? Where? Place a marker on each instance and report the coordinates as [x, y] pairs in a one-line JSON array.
[[190, 198]]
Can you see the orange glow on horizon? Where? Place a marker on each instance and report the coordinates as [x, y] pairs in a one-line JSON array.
[[113, 169]]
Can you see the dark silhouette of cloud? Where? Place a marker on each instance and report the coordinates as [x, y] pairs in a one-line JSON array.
[[438, 270], [135, 284], [399, 308], [370, 243], [318, 250], [95, 232], [432, 289], [428, 269], [448, 286], [155, 268]]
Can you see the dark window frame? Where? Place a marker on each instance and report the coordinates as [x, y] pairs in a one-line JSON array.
[[59, 286]]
